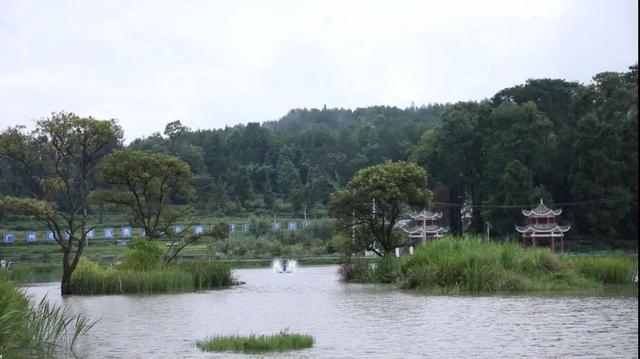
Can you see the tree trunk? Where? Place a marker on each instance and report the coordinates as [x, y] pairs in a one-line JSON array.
[[65, 285], [455, 220]]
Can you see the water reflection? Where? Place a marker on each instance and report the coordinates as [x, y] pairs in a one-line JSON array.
[[356, 321]]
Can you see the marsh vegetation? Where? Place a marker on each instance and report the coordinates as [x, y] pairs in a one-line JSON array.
[[282, 341], [473, 264]]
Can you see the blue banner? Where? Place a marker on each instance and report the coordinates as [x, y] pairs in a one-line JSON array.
[[9, 238], [128, 232], [32, 237]]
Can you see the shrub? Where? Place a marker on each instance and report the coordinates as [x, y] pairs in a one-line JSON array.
[[386, 270], [352, 269], [142, 255]]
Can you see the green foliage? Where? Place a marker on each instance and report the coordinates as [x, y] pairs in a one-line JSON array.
[[13, 311], [472, 264], [616, 269], [354, 270], [148, 184], [373, 201], [56, 166], [52, 327], [207, 275], [29, 329], [547, 138], [280, 342], [385, 270], [90, 278], [142, 255], [552, 139]]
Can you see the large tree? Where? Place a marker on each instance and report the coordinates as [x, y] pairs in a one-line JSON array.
[[376, 198], [157, 189], [59, 159]]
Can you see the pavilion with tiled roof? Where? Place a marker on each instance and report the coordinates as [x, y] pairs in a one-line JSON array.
[[542, 226], [427, 227]]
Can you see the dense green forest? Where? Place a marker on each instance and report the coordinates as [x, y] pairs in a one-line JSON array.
[[574, 145]]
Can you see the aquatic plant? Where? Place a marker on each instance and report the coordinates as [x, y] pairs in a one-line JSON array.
[[52, 327], [282, 341], [474, 264], [34, 329], [13, 310], [91, 278], [207, 274], [610, 269]]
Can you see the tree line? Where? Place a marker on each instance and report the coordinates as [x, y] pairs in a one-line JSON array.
[[565, 142], [568, 143]]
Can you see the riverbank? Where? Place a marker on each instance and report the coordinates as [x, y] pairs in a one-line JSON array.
[[25, 272], [474, 265]]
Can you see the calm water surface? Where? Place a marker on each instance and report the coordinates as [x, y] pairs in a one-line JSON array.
[[355, 321]]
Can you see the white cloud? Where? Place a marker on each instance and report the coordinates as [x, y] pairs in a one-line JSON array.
[[212, 64]]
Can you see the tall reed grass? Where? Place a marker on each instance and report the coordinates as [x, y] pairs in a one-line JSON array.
[[90, 278], [473, 264], [36, 329], [282, 341]]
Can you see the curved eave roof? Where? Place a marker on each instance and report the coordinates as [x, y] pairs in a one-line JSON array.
[[531, 229], [548, 213], [541, 211], [428, 230], [427, 215]]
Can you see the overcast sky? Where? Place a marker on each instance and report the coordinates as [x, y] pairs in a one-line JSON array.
[[211, 64]]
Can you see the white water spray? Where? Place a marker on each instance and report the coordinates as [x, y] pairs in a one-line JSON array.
[[284, 266]]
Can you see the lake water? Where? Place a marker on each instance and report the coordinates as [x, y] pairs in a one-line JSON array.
[[354, 321]]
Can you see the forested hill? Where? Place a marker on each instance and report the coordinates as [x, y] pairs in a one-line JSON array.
[[298, 120], [574, 145], [295, 163]]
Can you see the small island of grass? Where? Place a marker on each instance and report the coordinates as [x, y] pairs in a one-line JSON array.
[[283, 341], [143, 272], [473, 264]]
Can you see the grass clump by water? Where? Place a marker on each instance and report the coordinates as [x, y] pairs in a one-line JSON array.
[[282, 341], [36, 329], [473, 264], [144, 272], [91, 278]]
